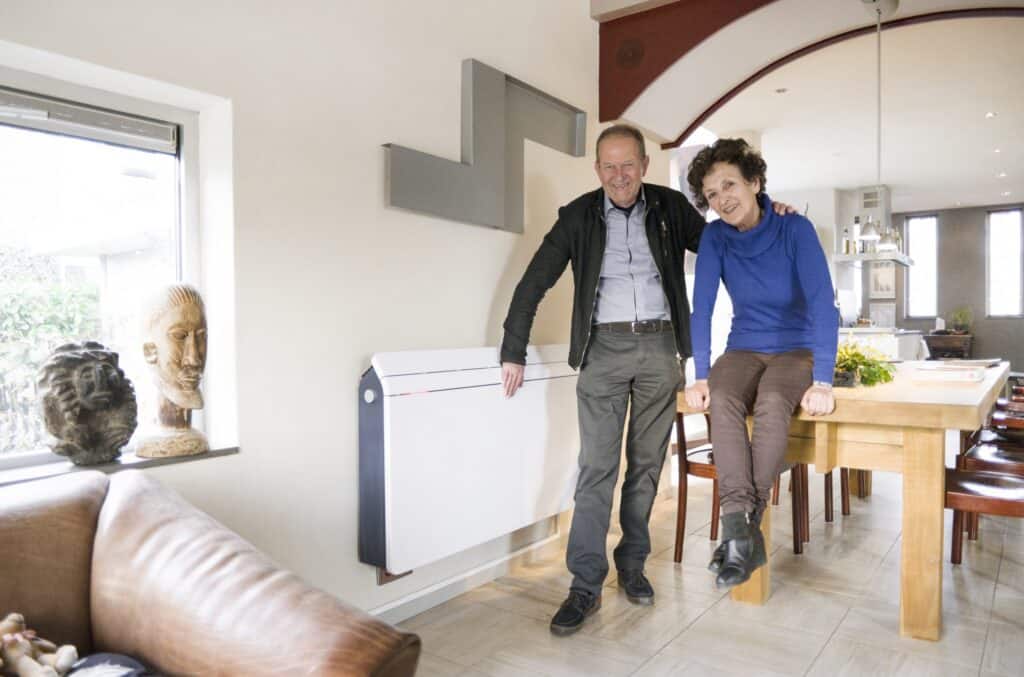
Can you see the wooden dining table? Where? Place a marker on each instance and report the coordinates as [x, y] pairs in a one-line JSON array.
[[904, 427]]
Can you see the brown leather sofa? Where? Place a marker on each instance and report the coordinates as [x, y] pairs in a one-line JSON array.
[[125, 565]]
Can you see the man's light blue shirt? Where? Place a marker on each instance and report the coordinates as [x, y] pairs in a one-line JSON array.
[[630, 286]]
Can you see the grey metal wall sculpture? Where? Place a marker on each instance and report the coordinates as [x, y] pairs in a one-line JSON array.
[[486, 188]]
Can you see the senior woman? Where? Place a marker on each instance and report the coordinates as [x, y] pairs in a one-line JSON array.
[[782, 345]]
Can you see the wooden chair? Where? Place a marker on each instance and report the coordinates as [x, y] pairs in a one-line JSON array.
[[994, 457], [699, 462], [1008, 425], [990, 451], [844, 493], [978, 491]]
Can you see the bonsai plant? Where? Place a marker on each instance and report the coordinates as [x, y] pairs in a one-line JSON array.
[[856, 364], [960, 319]]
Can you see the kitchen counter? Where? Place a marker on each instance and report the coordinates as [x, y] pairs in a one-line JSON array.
[[878, 330], [894, 343]]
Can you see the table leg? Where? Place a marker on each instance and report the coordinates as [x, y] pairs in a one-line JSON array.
[[924, 487], [860, 483], [758, 588]]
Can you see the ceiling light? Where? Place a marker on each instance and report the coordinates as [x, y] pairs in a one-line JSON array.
[[1006, 193], [1001, 175], [991, 114], [869, 232], [887, 243], [879, 231], [996, 150]]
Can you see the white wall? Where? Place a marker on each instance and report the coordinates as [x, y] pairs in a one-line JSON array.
[[326, 274], [821, 207]]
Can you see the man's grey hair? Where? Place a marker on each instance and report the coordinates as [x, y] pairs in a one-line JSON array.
[[621, 130]]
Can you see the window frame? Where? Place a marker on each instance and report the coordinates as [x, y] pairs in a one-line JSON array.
[[988, 262], [906, 285], [188, 253]]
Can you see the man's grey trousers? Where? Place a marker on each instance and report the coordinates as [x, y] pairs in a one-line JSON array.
[[639, 373]]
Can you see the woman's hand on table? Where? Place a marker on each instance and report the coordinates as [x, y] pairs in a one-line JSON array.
[[817, 400], [698, 395]]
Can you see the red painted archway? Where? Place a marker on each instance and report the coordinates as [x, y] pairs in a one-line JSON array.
[[636, 51]]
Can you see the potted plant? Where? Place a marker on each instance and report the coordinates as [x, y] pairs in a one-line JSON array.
[[860, 365], [960, 320]]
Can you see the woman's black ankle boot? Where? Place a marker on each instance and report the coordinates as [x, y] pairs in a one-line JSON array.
[[760, 552], [744, 550]]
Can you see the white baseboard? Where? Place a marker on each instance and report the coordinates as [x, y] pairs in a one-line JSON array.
[[417, 602]]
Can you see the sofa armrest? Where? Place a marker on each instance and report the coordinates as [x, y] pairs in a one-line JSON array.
[[182, 592], [46, 537]]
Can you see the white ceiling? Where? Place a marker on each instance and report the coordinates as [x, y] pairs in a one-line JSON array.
[[938, 81]]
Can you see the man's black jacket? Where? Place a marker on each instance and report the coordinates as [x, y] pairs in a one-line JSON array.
[[578, 236]]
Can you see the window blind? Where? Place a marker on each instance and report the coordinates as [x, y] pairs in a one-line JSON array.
[[32, 111]]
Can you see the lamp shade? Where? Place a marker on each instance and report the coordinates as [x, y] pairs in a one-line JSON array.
[[869, 232], [887, 243]]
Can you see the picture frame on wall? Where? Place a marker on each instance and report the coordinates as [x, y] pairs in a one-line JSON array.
[[882, 282]]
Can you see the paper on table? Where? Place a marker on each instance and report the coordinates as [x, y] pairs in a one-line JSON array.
[[945, 371], [988, 362]]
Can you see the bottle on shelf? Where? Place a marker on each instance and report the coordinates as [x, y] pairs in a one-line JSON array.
[[870, 245]]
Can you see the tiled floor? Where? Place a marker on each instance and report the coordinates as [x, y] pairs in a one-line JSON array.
[[833, 610]]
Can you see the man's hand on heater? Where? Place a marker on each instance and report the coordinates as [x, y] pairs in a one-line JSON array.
[[511, 377]]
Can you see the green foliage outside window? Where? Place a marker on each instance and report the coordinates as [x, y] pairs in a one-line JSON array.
[[37, 314]]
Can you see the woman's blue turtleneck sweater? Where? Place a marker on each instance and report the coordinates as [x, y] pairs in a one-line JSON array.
[[780, 287]]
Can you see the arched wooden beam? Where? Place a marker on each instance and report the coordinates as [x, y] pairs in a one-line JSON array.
[[895, 23], [636, 49]]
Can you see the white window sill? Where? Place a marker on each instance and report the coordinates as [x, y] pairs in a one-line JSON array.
[[127, 461]]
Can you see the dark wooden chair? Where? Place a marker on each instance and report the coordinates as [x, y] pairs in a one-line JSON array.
[[994, 456], [844, 492], [1008, 425], [990, 450], [980, 492], [698, 460]]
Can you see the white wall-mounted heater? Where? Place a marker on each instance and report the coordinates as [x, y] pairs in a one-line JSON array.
[[446, 462]]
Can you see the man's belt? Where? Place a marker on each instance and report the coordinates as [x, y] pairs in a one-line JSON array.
[[635, 327]]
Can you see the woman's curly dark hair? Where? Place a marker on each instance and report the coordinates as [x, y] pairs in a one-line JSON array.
[[736, 152]]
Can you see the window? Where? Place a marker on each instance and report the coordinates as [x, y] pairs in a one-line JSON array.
[[90, 226], [1004, 263], [922, 277]]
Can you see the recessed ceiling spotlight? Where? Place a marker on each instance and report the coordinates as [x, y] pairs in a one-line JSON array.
[[991, 114], [996, 150], [958, 203], [1001, 175], [781, 90], [1006, 193]]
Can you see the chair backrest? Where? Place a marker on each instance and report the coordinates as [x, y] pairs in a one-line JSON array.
[[47, 528]]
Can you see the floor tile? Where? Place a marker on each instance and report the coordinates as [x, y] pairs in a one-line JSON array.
[[728, 645], [847, 658], [1004, 650], [876, 624], [1008, 607]]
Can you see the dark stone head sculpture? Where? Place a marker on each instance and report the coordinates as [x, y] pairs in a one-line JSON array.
[[88, 403]]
